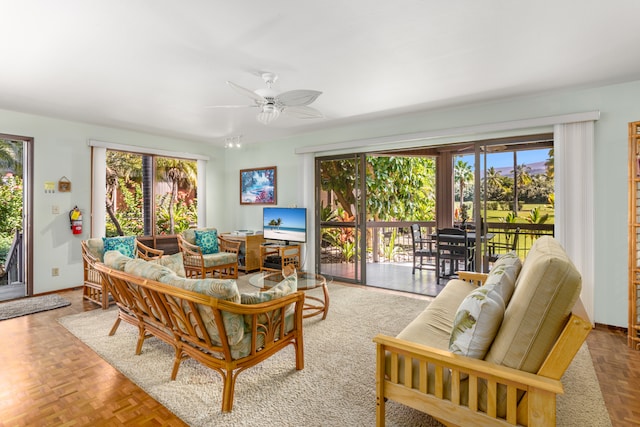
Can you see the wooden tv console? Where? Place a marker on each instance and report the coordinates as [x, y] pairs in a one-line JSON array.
[[250, 248]]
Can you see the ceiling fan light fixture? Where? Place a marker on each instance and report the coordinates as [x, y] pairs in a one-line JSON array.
[[268, 114]]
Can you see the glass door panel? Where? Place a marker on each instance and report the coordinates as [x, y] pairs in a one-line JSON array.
[[340, 189]]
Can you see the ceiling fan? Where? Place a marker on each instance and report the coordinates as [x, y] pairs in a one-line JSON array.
[[271, 103]]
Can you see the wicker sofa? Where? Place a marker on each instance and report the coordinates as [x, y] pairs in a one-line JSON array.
[[208, 319], [489, 349], [94, 288]]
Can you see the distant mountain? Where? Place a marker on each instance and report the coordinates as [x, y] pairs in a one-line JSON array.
[[537, 168]]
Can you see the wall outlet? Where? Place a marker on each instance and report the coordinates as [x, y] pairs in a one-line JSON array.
[[55, 271], [55, 209]]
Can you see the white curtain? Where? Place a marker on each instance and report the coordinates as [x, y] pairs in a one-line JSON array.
[[574, 201], [98, 185]]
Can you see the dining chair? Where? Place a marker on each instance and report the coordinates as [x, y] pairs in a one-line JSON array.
[[453, 247], [422, 248], [498, 248]]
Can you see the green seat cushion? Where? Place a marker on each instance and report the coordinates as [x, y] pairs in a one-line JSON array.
[[221, 258]]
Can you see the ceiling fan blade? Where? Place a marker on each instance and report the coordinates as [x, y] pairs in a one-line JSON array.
[[230, 106], [246, 92], [294, 98], [303, 112]]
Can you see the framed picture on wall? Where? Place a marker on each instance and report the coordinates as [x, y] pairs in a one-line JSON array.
[[258, 186]]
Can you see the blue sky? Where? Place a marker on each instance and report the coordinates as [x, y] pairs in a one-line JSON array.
[[506, 159]]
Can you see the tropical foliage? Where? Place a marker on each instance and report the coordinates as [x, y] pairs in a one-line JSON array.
[[175, 207]]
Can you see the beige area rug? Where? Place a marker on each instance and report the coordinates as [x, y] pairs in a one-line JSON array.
[[336, 387]]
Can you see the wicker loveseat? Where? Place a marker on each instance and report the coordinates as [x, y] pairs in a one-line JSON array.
[[93, 251], [491, 354], [207, 319]]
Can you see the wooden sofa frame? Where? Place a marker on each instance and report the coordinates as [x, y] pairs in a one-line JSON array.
[[172, 315], [537, 407], [93, 288], [194, 264]]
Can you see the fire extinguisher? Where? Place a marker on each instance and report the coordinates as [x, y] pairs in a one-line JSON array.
[[75, 217]]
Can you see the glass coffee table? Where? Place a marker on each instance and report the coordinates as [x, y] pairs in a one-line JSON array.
[[306, 281]]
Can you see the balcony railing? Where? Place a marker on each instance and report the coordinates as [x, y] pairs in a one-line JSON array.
[[391, 241], [13, 265]]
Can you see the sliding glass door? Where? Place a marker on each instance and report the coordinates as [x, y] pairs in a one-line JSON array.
[[340, 190], [503, 186], [16, 197]]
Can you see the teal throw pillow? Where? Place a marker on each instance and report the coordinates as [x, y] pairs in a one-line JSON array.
[[126, 245], [208, 241]]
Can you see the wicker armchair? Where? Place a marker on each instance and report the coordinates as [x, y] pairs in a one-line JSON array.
[[224, 263], [94, 288]]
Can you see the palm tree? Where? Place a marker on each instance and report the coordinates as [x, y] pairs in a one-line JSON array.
[[549, 164], [462, 174], [11, 156], [110, 198], [176, 172]]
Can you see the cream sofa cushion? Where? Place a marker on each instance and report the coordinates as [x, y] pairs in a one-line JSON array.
[[503, 275], [175, 262], [546, 291], [433, 326], [115, 260]]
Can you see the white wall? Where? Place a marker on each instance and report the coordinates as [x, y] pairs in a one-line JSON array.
[[618, 105], [60, 149]]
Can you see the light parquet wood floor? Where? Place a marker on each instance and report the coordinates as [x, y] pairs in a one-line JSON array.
[[49, 378]]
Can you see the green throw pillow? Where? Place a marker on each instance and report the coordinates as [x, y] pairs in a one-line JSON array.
[[208, 241], [126, 245]]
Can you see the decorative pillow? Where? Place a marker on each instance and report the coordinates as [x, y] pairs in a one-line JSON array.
[[174, 262], [147, 270], [208, 241], [126, 245], [476, 323], [116, 260], [503, 275], [288, 286], [224, 289]]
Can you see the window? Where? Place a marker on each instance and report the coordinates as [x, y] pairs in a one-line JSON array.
[[148, 194]]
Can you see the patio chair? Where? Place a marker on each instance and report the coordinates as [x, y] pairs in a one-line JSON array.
[[422, 248], [454, 248], [498, 248]]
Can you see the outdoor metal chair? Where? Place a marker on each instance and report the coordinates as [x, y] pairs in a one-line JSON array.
[[455, 249], [423, 248]]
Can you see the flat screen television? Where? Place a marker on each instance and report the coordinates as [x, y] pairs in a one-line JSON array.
[[286, 224]]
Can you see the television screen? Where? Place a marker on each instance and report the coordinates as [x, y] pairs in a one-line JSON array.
[[288, 224]]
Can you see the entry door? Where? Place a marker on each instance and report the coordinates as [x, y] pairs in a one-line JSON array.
[[340, 198], [16, 251]]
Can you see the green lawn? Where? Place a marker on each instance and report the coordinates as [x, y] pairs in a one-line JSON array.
[[499, 215]]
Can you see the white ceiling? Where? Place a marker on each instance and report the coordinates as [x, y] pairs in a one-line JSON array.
[[153, 65]]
